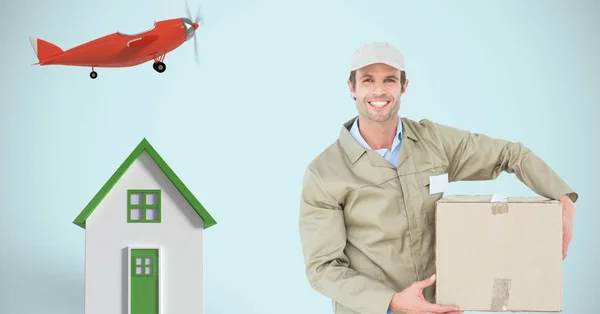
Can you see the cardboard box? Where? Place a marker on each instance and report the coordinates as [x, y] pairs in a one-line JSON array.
[[499, 254]]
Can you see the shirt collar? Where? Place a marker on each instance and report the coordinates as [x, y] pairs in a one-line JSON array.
[[355, 132], [354, 150]]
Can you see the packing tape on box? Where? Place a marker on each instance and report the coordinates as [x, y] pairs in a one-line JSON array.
[[499, 209], [500, 294], [499, 204]]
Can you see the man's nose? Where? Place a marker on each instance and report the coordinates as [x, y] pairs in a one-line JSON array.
[[378, 88]]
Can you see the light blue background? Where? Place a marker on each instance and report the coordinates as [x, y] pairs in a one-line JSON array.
[[270, 94]]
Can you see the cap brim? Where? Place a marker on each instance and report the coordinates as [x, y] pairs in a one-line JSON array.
[[362, 65]]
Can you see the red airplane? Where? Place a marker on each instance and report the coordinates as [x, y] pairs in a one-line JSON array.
[[122, 50]]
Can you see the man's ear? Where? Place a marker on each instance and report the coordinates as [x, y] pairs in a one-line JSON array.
[[351, 89], [405, 86]]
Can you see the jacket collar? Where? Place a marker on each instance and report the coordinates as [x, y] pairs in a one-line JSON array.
[[354, 150]]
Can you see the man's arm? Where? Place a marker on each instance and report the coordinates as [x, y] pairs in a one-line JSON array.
[[475, 156], [323, 238]]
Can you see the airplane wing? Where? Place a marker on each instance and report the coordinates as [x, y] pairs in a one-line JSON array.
[[141, 41]]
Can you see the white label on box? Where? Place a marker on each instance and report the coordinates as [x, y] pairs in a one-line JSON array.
[[438, 184], [497, 198]]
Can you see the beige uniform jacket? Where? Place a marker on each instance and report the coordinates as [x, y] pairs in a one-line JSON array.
[[367, 228]]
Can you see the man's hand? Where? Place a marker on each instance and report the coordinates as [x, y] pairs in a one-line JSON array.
[[411, 300], [568, 215]]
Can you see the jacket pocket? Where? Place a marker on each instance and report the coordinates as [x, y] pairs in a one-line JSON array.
[[428, 201]]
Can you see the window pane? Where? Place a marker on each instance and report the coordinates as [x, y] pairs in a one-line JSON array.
[[135, 199], [148, 261], [150, 214], [138, 270], [136, 214], [148, 270], [151, 198], [138, 261]]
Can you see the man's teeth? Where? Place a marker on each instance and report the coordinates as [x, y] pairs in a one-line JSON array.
[[378, 103]]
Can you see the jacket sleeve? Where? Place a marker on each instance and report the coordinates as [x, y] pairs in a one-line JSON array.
[[323, 239], [474, 156]]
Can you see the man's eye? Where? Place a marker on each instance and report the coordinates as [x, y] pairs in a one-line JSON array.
[[367, 80], [391, 80]]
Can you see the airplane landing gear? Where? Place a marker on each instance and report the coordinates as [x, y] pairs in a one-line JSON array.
[[159, 67], [93, 74]]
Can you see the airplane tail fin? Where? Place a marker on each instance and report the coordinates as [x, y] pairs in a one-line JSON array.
[[44, 49]]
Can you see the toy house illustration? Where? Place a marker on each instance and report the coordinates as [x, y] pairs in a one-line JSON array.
[[143, 241]]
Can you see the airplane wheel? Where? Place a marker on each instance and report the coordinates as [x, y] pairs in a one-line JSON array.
[[159, 67], [93, 75]]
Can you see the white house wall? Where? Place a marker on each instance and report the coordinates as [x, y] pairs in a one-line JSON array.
[[108, 236]]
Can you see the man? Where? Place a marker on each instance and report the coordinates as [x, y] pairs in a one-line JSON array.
[[366, 215]]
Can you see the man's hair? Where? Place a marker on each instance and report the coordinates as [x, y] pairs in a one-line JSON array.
[[352, 79]]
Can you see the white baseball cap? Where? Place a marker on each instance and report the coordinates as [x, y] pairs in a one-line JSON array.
[[377, 52]]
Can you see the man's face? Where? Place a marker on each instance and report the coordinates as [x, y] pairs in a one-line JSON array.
[[378, 91]]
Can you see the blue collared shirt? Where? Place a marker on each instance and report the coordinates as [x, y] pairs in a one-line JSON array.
[[391, 155]]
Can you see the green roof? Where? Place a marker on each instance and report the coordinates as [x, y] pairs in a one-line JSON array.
[[144, 145]]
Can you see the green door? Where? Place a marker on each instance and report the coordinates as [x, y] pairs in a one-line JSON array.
[[144, 281]]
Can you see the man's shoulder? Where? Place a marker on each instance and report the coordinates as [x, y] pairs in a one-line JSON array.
[[419, 125], [422, 129], [329, 172], [332, 155]]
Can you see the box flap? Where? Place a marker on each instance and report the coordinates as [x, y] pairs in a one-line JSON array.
[[494, 198]]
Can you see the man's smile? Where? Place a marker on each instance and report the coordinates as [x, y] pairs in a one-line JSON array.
[[378, 103]]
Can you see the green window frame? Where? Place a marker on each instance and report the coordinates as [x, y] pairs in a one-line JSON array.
[[143, 206]]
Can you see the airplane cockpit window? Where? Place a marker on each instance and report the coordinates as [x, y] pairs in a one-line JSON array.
[[138, 33]]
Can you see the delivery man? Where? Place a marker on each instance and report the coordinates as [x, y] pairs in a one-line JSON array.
[[367, 213]]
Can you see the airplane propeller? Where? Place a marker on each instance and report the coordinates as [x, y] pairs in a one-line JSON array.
[[196, 21]]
